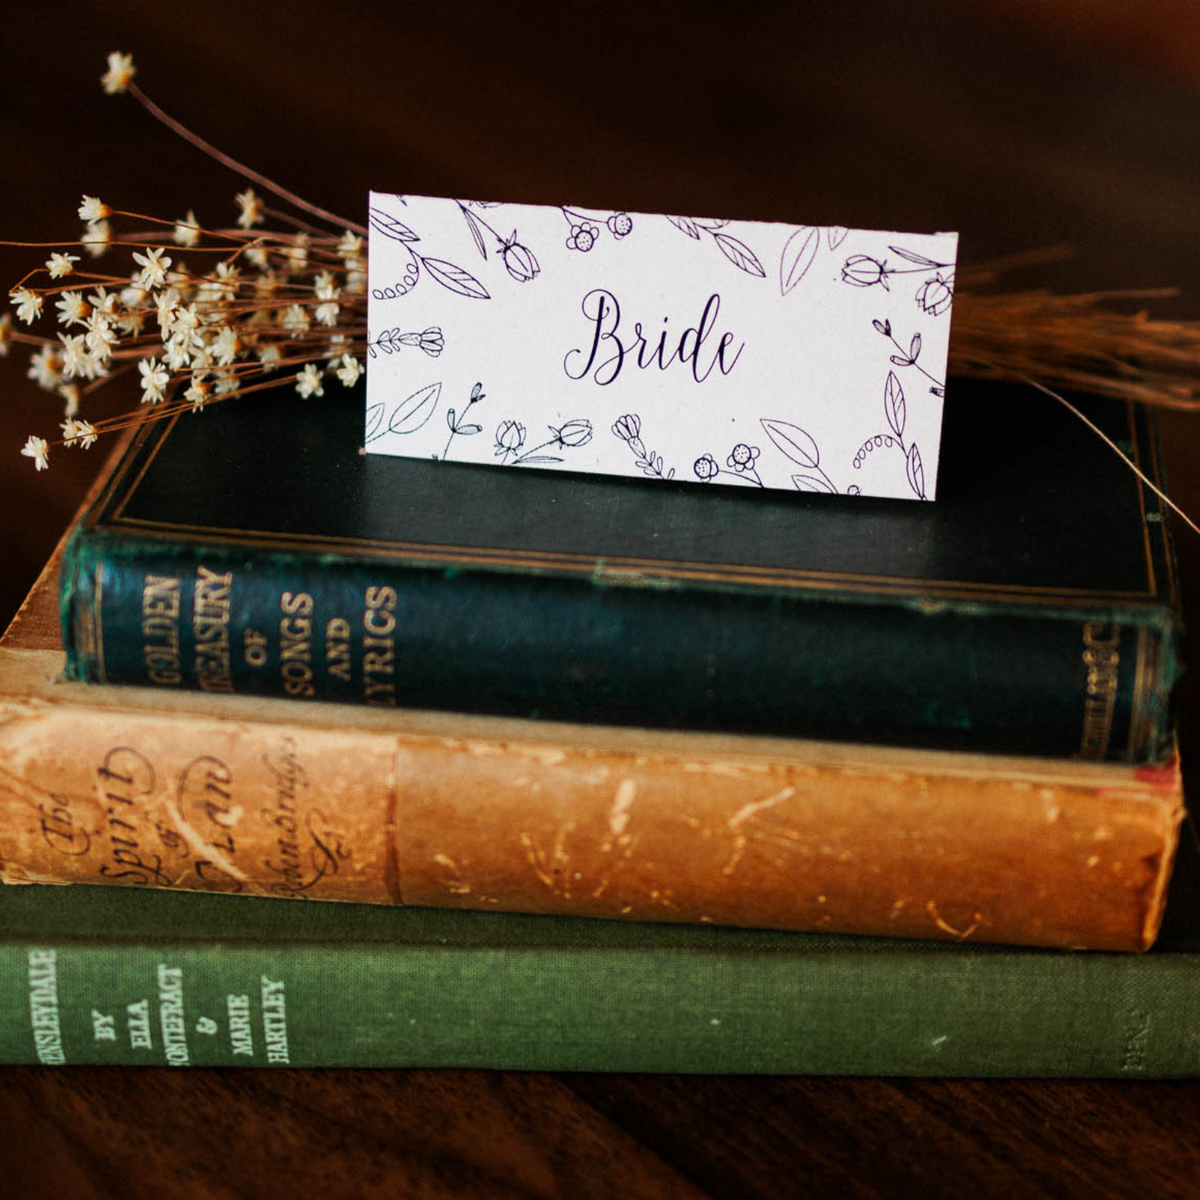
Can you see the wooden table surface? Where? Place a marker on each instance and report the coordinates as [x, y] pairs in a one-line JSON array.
[[1019, 124]]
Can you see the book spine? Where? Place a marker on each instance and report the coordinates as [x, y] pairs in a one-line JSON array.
[[837, 1010], [666, 828], [1093, 683]]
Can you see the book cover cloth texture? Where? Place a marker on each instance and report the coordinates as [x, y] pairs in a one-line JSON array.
[[1030, 610], [93, 975]]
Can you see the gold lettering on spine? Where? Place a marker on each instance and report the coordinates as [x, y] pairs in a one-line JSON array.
[[379, 646], [160, 630], [295, 643], [1101, 660], [210, 629]]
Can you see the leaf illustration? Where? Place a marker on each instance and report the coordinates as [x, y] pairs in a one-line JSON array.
[[739, 254], [900, 361], [409, 415], [374, 420], [884, 327], [797, 257], [893, 404], [466, 429], [455, 279], [792, 442], [687, 225], [913, 257], [476, 233], [389, 226], [915, 471], [914, 347], [450, 418], [537, 458], [710, 223], [813, 483], [835, 235]]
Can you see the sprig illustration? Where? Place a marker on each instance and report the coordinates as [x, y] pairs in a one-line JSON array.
[[935, 294], [735, 250], [390, 341], [450, 276], [895, 412], [908, 358], [457, 425], [629, 429]]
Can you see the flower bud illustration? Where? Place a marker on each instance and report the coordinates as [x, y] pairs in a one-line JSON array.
[[861, 270], [577, 432], [431, 341], [519, 261], [935, 296], [510, 437], [627, 427]]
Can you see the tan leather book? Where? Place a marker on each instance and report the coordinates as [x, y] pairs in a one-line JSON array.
[[139, 787]]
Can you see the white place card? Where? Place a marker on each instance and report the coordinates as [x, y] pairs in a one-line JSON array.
[[746, 353]]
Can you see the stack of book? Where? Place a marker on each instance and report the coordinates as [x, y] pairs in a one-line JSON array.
[[852, 782]]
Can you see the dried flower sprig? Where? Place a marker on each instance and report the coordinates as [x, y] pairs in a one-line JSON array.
[[290, 302]]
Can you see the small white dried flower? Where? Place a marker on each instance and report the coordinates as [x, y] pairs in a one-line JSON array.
[[251, 208], [46, 368], [197, 393], [350, 246], [131, 322], [28, 304], [224, 346], [227, 382], [349, 371], [72, 310], [154, 379], [61, 264], [85, 431], [154, 267], [68, 428], [295, 319], [269, 356], [119, 74], [187, 231], [39, 450], [104, 302], [95, 238], [297, 254], [77, 362], [93, 209], [308, 382]]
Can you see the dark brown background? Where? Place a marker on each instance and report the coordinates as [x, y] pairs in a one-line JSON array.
[[1021, 124]]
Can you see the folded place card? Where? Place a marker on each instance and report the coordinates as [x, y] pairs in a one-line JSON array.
[[748, 353]]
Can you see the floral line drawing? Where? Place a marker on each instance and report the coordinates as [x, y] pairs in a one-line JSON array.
[[409, 415], [629, 429], [740, 464], [453, 278], [519, 261], [909, 358], [510, 439], [736, 251], [933, 297], [801, 248], [895, 412], [799, 447], [455, 422], [585, 232], [390, 341]]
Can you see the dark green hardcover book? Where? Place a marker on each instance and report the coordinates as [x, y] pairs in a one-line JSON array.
[[1030, 610], [95, 975]]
